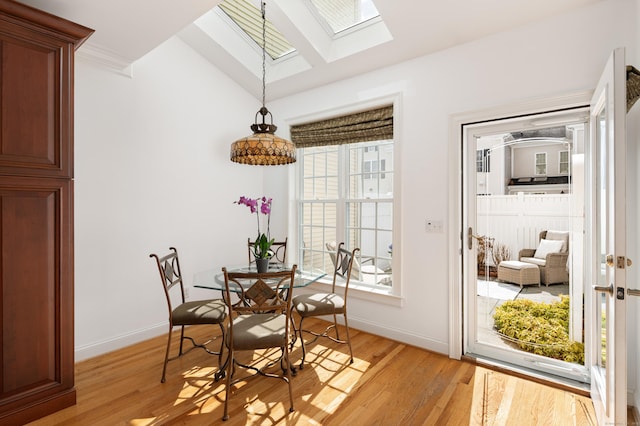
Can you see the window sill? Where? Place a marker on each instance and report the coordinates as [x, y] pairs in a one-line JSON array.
[[363, 292]]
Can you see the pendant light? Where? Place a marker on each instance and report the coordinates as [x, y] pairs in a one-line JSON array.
[[263, 147]]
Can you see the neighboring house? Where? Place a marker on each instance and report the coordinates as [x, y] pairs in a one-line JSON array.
[[532, 162]]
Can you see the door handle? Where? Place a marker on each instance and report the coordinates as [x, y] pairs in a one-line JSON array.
[[633, 292], [608, 289], [470, 238]]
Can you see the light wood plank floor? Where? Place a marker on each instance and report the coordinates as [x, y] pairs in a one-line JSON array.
[[389, 383]]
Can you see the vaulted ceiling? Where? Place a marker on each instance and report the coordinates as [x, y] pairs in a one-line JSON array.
[[128, 29]]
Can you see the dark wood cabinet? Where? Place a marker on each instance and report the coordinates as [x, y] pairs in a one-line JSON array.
[[36, 212]]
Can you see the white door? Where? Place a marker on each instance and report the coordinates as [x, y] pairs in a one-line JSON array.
[[506, 208], [608, 244]]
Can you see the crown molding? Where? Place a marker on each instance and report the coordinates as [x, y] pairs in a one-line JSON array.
[[106, 58]]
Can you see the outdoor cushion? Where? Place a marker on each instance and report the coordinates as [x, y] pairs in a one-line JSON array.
[[548, 246], [559, 235], [534, 260]]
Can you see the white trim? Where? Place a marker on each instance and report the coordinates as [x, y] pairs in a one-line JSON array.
[[398, 335], [118, 342], [106, 58], [457, 235], [364, 292]]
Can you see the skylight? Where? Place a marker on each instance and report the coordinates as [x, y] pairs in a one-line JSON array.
[[249, 18], [341, 15]]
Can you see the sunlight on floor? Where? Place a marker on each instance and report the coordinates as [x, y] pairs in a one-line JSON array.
[[265, 402], [494, 394]]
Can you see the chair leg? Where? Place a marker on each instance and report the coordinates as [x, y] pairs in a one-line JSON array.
[[304, 352], [288, 373], [221, 367], [181, 339], [227, 393], [335, 326], [346, 326], [166, 355]]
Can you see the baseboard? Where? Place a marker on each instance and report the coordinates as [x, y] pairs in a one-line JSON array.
[[399, 335], [118, 342]]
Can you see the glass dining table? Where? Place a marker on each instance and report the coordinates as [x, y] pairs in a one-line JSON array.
[[213, 279]]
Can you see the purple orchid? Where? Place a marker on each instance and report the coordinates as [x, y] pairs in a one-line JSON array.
[[263, 241]]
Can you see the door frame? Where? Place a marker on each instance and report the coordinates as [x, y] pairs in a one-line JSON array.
[[457, 237]]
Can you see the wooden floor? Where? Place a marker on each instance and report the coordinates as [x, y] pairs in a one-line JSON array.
[[389, 383]]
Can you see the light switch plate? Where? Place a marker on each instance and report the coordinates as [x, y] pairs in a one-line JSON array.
[[435, 226]]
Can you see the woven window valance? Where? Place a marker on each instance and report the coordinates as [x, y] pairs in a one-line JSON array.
[[372, 125]]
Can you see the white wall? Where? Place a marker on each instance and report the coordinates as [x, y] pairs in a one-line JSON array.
[[561, 55], [152, 171]]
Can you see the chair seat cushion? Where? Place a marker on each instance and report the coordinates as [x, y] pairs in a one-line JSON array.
[[212, 311], [318, 304], [259, 331], [534, 260]]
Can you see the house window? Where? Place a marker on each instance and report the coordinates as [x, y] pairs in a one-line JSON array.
[[372, 167], [344, 198], [564, 163], [345, 192], [541, 163], [483, 161]]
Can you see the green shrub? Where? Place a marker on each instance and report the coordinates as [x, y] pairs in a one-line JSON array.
[[539, 328]]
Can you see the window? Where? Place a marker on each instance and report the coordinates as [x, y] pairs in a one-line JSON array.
[[564, 163], [341, 15], [249, 18], [541, 163], [345, 192], [345, 198], [483, 163]]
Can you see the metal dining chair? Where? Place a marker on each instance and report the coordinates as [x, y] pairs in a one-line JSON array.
[[185, 313], [278, 250], [259, 319], [323, 304]]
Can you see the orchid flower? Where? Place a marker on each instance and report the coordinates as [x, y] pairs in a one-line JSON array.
[[263, 242]]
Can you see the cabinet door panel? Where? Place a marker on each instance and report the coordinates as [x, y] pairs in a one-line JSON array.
[[36, 284], [35, 108], [29, 114]]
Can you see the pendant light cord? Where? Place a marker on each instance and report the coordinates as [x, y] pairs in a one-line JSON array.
[[264, 53]]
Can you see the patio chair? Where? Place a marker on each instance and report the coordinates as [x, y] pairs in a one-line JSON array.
[[550, 256], [366, 271]]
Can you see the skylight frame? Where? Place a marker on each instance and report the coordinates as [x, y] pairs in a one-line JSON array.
[[247, 19], [325, 21]]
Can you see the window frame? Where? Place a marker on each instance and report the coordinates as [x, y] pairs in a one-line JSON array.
[[560, 163], [536, 164], [343, 203]]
